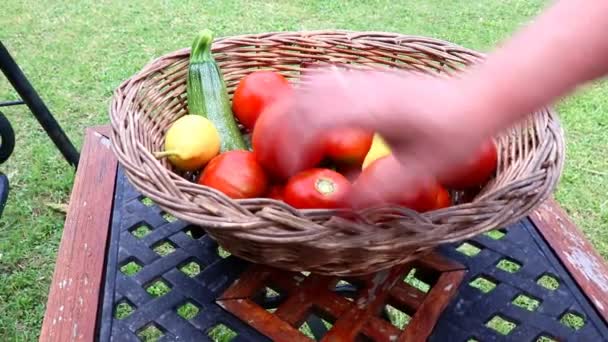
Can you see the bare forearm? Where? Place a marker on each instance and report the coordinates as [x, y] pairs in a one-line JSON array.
[[565, 46]]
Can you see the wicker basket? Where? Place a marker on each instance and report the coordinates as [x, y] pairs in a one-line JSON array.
[[265, 231]]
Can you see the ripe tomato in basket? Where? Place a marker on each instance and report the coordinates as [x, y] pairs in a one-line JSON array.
[[422, 197], [316, 188], [268, 137], [475, 171], [235, 173], [276, 192], [348, 145], [444, 199], [255, 92]]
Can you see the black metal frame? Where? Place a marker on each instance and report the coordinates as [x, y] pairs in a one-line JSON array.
[[8, 138], [6, 148], [30, 97]]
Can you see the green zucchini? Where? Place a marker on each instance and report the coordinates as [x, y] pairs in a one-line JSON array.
[[207, 94]]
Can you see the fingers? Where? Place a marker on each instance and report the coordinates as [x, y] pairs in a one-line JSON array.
[[314, 109], [376, 100], [392, 104], [374, 185], [386, 181]]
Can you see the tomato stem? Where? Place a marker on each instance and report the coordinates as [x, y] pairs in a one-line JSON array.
[[325, 186]]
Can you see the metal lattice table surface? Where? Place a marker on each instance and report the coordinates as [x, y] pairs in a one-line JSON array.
[[163, 278]]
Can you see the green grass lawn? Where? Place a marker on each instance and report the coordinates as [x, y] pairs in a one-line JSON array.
[[76, 53]]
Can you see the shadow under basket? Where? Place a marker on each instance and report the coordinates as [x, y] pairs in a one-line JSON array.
[[530, 159]]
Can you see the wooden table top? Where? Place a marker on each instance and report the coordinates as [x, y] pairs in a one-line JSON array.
[[76, 291]]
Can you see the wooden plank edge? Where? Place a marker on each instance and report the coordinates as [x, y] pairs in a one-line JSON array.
[[249, 282], [369, 303], [105, 130], [424, 320], [262, 321], [72, 305], [583, 262]]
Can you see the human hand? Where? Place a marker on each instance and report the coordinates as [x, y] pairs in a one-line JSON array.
[[427, 122]]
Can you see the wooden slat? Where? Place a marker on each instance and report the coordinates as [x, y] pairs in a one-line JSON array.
[[380, 330], [332, 304], [296, 308], [287, 282], [369, 303], [587, 267], [71, 310], [423, 322], [406, 297], [251, 282], [351, 318], [105, 130], [262, 320]]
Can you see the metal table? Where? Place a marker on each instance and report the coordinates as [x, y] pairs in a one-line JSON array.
[[126, 271]]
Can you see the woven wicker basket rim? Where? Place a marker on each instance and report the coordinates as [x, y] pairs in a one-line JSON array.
[[270, 232]]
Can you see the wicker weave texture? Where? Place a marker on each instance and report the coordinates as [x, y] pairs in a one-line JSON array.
[[531, 157]]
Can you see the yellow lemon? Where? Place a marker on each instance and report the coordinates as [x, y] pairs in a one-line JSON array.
[[378, 150], [191, 142]]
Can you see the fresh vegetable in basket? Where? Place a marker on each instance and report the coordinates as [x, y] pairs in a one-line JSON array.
[[348, 145], [444, 199], [190, 143], [316, 188], [378, 150], [421, 199], [255, 92], [265, 144], [276, 192], [237, 174], [475, 171], [207, 94]]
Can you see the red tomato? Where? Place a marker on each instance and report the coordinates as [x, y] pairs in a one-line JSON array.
[[422, 198], [348, 145], [235, 173], [276, 192], [255, 92], [443, 199], [475, 171], [316, 188], [267, 138]]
